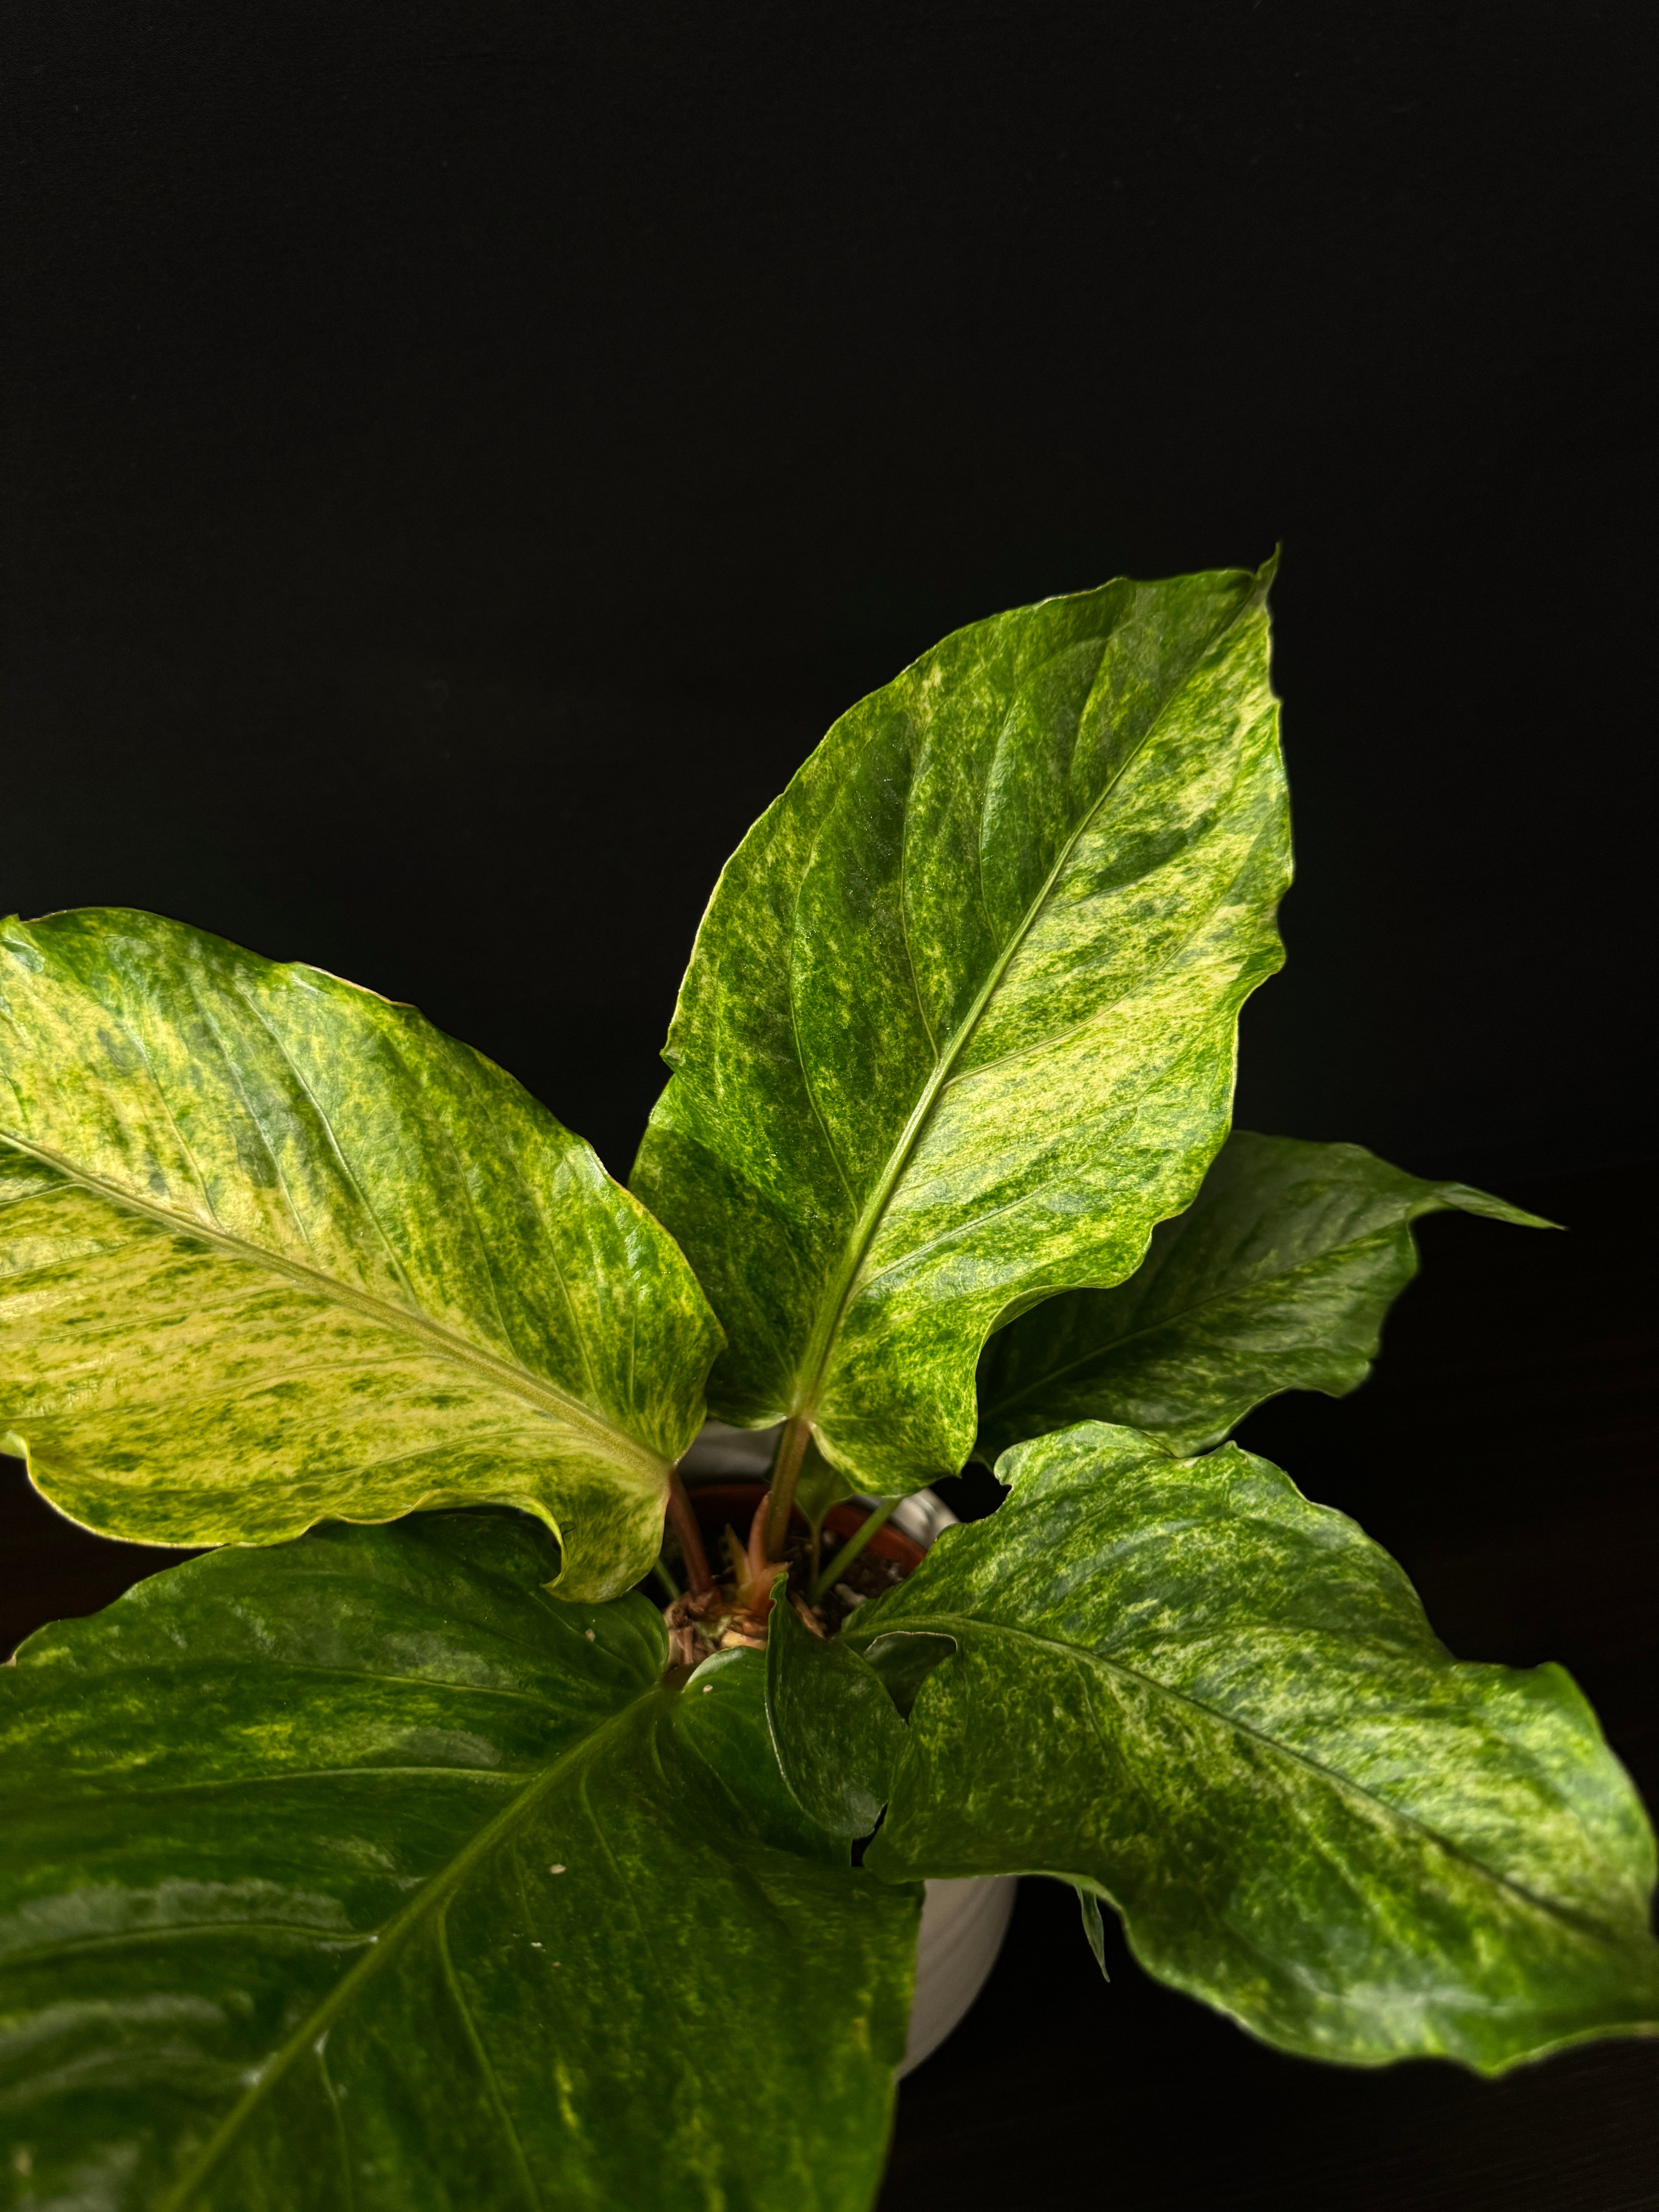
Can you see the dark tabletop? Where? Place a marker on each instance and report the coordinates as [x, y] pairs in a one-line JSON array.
[[1506, 1452]]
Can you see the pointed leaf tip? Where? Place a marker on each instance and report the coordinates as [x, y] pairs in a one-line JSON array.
[[1277, 1277]]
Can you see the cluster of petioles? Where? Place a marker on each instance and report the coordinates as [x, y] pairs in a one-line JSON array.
[[757, 1534]]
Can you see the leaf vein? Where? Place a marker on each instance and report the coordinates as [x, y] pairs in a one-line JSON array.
[[927, 1623], [410, 1321], [389, 1941], [476, 2043], [856, 1249]]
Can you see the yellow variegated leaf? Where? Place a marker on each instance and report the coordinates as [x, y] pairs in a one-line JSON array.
[[959, 1027], [274, 1250]]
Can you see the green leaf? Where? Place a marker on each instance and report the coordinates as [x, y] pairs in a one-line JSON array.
[[1094, 1928], [1276, 1278], [905, 1660], [1219, 1706], [834, 1727], [273, 1249], [819, 1487], [959, 1025], [359, 1875]]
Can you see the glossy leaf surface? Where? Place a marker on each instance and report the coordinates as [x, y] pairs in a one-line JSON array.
[[959, 1025], [361, 1876], [1277, 1277], [1180, 1684], [820, 1487], [274, 1248], [834, 1728]]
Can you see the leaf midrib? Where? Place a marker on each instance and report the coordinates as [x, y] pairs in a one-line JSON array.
[[856, 1249], [953, 1624], [546, 1397], [387, 1942]]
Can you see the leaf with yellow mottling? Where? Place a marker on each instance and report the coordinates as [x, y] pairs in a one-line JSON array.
[[959, 1025], [273, 1249], [1277, 1277], [1180, 1685]]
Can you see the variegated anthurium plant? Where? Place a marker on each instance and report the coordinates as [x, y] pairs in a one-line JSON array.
[[401, 1852]]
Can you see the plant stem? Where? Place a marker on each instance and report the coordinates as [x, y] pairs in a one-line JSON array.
[[850, 1550], [756, 1563], [786, 1473], [683, 1521], [665, 1579]]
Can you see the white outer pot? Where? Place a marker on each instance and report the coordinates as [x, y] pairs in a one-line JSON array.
[[963, 1923]]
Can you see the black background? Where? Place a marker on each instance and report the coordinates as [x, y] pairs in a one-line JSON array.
[[460, 458]]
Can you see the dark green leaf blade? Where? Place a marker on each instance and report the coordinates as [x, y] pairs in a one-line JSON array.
[[1220, 1706], [1094, 1929], [904, 1660], [273, 1249], [1277, 1277], [959, 1025], [835, 1731], [361, 1876]]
